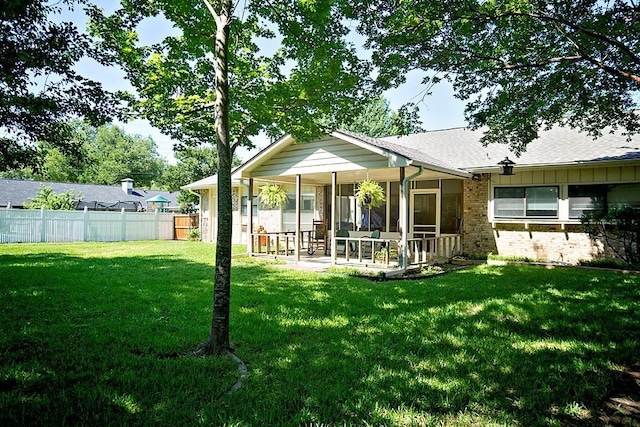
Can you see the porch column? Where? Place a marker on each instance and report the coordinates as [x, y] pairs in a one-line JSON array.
[[298, 215], [250, 217], [404, 223], [406, 218], [334, 187]]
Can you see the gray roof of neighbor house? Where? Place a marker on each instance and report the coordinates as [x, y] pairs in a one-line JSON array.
[[18, 192]]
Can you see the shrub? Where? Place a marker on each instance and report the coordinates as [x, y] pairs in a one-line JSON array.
[[193, 234], [618, 228], [46, 198]]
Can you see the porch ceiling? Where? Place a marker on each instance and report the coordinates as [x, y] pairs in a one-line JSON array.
[[353, 176]]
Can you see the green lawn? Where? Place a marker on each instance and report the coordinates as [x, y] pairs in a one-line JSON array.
[[93, 334]]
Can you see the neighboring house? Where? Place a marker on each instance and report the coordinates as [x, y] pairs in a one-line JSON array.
[[439, 184], [17, 193]]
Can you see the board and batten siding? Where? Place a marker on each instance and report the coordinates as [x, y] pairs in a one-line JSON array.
[[326, 154], [575, 175]]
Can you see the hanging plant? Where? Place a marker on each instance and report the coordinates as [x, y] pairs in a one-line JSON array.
[[370, 194], [273, 196]]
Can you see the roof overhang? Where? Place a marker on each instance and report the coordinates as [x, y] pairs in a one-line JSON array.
[[559, 165], [394, 160]]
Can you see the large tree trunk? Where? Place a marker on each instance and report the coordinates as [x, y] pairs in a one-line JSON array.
[[218, 342]]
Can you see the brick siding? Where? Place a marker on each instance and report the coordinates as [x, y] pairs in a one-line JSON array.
[[540, 242]]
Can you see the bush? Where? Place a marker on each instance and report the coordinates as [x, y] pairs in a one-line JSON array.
[[619, 229], [193, 234], [608, 263], [46, 198]]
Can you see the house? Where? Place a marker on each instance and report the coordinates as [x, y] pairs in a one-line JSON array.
[[17, 193], [445, 193]]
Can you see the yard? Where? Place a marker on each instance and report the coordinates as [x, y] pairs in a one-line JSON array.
[[99, 334]]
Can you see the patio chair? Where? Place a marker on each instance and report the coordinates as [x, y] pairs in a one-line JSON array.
[[368, 248], [318, 237], [342, 243]]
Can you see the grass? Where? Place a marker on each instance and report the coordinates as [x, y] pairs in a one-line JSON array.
[[93, 333]]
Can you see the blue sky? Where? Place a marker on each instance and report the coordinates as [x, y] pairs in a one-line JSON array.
[[440, 110]]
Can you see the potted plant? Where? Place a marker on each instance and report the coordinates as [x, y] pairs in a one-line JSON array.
[[382, 254], [370, 194], [273, 196]]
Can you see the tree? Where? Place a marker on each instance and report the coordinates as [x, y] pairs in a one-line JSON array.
[[377, 120], [107, 155], [521, 65], [39, 88], [211, 83], [114, 155], [194, 163], [47, 199]]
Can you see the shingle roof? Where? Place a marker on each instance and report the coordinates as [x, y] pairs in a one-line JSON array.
[[404, 150], [459, 149], [18, 192], [559, 145]]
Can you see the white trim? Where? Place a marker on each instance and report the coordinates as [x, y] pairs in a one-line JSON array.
[[437, 192]]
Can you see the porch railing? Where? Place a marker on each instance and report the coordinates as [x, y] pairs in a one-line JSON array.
[[283, 243], [363, 250], [427, 249], [367, 249]]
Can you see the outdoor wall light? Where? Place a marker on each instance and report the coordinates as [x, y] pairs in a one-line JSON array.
[[506, 166]]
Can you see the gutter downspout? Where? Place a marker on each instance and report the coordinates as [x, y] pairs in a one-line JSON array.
[[199, 210], [405, 232], [249, 215]]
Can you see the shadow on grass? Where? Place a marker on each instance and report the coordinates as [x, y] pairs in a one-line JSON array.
[[490, 345], [88, 340]]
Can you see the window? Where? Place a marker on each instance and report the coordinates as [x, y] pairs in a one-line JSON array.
[[307, 203], [307, 210], [244, 206], [523, 202], [450, 206], [346, 207], [394, 205], [600, 197], [586, 198]]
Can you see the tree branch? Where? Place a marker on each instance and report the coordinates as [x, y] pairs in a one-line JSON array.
[[540, 64], [613, 70], [216, 17], [589, 32]]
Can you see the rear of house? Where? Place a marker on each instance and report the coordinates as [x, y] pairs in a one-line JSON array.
[[439, 184]]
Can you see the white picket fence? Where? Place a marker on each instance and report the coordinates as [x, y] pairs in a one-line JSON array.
[[32, 226]]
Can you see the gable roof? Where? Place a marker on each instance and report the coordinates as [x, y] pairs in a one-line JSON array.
[[458, 151], [18, 192], [420, 158]]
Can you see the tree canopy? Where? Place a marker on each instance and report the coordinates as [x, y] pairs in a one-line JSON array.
[[107, 155], [288, 91], [377, 119], [521, 65], [39, 87], [212, 83]]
